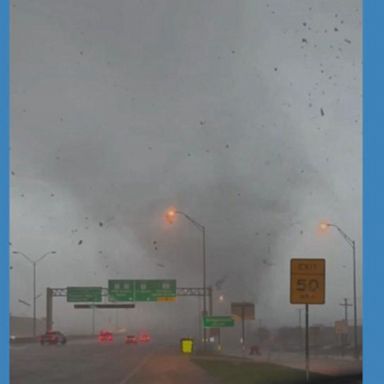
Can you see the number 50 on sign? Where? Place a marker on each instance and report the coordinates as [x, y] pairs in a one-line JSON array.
[[307, 281]]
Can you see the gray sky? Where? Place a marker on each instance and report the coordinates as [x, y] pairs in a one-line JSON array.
[[246, 115]]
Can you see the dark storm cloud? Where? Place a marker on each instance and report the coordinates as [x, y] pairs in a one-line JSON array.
[[223, 111]]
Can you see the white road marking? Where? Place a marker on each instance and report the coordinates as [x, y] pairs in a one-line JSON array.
[[136, 369]]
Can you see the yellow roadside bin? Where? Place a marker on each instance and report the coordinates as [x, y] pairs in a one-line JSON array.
[[186, 345]]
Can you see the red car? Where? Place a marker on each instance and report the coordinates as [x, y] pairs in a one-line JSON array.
[[105, 336], [53, 337], [144, 338], [131, 339]]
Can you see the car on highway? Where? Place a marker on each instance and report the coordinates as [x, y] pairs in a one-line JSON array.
[[131, 339], [144, 337], [105, 336], [53, 338]]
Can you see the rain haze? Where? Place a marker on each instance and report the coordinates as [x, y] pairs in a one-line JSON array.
[[245, 115]]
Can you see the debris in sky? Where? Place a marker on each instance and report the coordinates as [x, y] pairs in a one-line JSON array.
[[202, 122], [219, 283], [227, 146], [305, 24], [160, 265], [13, 173], [154, 242], [156, 248], [188, 154], [348, 41], [301, 232], [233, 51], [304, 40], [322, 111], [52, 194], [80, 242], [149, 148], [275, 69], [336, 29], [266, 262], [81, 53], [22, 195], [100, 252], [101, 224]]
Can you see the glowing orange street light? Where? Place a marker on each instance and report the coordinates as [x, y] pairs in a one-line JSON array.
[[170, 216], [352, 244]]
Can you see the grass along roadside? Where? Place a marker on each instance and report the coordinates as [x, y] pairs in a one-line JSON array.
[[247, 372]]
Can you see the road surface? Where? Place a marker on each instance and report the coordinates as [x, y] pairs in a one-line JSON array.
[[89, 362]]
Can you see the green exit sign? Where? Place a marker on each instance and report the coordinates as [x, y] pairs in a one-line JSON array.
[[84, 294], [218, 321]]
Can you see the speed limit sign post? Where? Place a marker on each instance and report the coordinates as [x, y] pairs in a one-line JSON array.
[[307, 287], [307, 281]]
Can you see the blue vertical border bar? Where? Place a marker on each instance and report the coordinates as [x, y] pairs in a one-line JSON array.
[[4, 191], [373, 192]]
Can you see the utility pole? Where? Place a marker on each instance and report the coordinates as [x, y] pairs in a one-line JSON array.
[[243, 326], [346, 305]]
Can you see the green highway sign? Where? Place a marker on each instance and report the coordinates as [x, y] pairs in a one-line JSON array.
[[218, 321], [83, 294], [155, 290], [121, 290], [142, 290]]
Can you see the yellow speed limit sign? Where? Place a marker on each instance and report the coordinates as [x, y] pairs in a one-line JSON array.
[[307, 281]]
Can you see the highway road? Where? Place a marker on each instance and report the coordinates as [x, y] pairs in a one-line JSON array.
[[89, 362]]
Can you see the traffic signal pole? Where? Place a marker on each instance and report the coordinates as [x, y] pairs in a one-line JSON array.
[[306, 343]]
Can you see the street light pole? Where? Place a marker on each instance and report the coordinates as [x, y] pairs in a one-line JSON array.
[[200, 227], [34, 298], [353, 245], [34, 264]]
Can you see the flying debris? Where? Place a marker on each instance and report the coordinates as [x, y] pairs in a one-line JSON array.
[[266, 262], [80, 242], [219, 283], [52, 194], [160, 265], [322, 111], [101, 224]]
